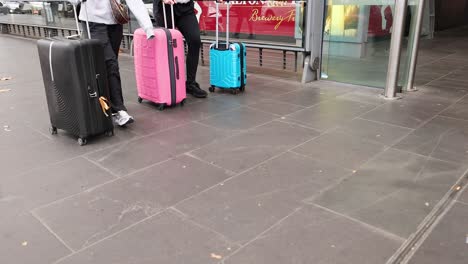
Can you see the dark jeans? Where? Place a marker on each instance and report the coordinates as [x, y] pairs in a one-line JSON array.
[[243, 14], [111, 37], [186, 22]]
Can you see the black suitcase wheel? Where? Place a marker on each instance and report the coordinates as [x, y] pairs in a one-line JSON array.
[[110, 133], [182, 103], [242, 88], [53, 130], [140, 99], [161, 107], [234, 91], [211, 89], [82, 141]]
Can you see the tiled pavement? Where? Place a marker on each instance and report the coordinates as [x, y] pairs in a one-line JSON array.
[[285, 173]]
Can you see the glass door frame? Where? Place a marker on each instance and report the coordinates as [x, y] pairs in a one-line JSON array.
[[315, 16]]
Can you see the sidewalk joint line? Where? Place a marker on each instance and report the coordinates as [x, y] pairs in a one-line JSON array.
[[52, 232], [369, 226]]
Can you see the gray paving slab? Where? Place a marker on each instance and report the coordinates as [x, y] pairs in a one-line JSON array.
[[427, 75], [447, 243], [386, 196], [440, 91], [276, 107], [41, 154], [201, 110], [449, 82], [437, 69], [381, 173], [239, 119], [404, 210], [165, 238], [329, 114], [368, 96], [14, 134], [249, 204], [459, 75], [442, 138], [173, 183], [464, 197], [410, 113], [91, 216], [374, 131], [54, 182], [25, 240], [248, 97], [306, 97], [313, 235], [246, 150], [346, 150], [274, 87], [459, 110], [143, 152]]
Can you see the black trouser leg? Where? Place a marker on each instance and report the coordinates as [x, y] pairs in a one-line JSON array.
[[190, 29], [111, 37], [115, 84]]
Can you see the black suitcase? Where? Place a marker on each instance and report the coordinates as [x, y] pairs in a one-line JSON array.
[[75, 80]]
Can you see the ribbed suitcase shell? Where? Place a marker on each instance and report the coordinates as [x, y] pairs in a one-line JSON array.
[[73, 70], [153, 68]]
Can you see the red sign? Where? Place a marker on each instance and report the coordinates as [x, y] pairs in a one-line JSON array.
[[274, 18]]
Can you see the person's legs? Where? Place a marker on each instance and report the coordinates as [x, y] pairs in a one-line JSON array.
[[189, 27], [115, 34], [239, 20], [111, 36], [250, 25]]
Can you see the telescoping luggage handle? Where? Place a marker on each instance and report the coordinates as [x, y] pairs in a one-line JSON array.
[[227, 24], [78, 23], [165, 17]]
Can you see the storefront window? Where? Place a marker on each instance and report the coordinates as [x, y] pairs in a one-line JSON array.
[[57, 14], [265, 21]]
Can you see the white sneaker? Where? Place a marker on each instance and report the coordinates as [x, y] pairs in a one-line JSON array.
[[122, 118]]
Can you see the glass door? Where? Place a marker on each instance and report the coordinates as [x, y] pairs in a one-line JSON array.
[[356, 41], [408, 41]]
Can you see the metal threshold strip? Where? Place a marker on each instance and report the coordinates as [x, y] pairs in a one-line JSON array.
[[409, 248]]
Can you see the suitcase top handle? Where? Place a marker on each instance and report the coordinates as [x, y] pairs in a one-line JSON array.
[[165, 17], [227, 24]]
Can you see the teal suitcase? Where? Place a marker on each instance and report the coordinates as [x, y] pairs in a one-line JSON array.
[[228, 68]]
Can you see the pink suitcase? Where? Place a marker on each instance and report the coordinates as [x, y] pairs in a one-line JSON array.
[[160, 67]]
